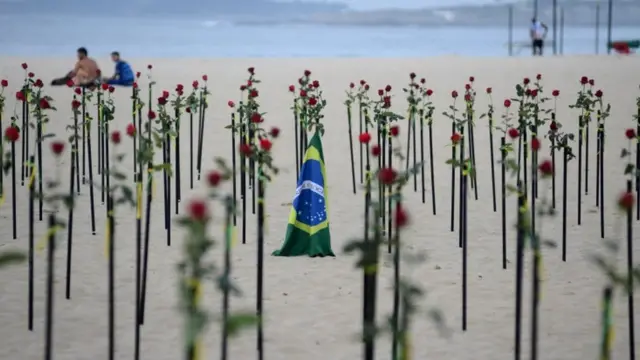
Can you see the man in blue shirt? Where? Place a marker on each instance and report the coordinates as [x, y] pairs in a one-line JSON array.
[[124, 74]]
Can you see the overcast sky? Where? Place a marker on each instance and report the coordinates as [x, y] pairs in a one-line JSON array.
[[377, 4]]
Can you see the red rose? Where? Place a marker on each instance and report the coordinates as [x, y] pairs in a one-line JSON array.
[[387, 88], [179, 87], [165, 94], [526, 81], [429, 92], [253, 94], [44, 104], [489, 90], [205, 77], [401, 217], [455, 138], [245, 149], [507, 103], [111, 89], [626, 201], [364, 138], [539, 77], [387, 101], [25, 66], [57, 147], [30, 75], [584, 80], [149, 66], [231, 104], [256, 118], [375, 150], [535, 144], [198, 210], [313, 101], [513, 133], [467, 97], [162, 100], [78, 91], [195, 84], [599, 93], [387, 176], [316, 83], [75, 104], [214, 178], [138, 75], [20, 96], [527, 92], [274, 132], [292, 88], [467, 87], [362, 82], [423, 80], [553, 126], [4, 83], [265, 144], [471, 79], [70, 83], [380, 92], [251, 70], [249, 83], [38, 83], [12, 134], [394, 130], [303, 93], [412, 76], [556, 93], [534, 93], [151, 115], [105, 86], [243, 87], [131, 130], [188, 110], [301, 81], [630, 133], [454, 94], [592, 82], [307, 73], [546, 168], [366, 87], [115, 137], [352, 85]]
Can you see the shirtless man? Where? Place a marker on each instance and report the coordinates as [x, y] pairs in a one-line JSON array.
[[86, 70]]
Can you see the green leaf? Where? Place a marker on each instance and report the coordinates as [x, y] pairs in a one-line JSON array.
[[239, 321]]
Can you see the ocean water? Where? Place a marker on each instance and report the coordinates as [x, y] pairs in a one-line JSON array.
[[61, 36]]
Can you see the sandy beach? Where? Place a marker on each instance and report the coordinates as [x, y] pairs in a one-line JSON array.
[[313, 306]]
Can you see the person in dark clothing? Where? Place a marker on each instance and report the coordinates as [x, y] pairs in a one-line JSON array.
[[123, 75]]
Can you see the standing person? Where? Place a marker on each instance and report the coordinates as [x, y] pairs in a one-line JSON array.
[[537, 33], [123, 75]]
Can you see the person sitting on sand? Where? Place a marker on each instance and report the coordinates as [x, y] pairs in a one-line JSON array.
[[86, 71], [123, 75]]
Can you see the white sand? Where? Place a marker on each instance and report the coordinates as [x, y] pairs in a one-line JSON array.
[[313, 306]]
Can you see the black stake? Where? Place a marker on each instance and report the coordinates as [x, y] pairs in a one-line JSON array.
[[587, 120], [243, 183], [433, 178], [503, 153], [32, 196], [600, 183], [14, 212], [353, 166], [360, 115], [389, 196], [203, 109], [39, 150], [72, 170], [112, 289], [493, 165], [260, 253], [190, 150], [177, 159], [25, 137], [369, 292], [51, 246], [230, 205], [233, 165], [463, 235], [415, 151], [138, 262], [472, 156], [422, 187], [147, 232], [87, 124], [461, 190], [298, 139], [565, 160], [519, 270], [396, 293], [632, 336], [580, 140], [453, 179], [553, 164]]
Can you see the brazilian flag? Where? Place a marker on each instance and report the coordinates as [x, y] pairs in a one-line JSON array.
[[308, 229]]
